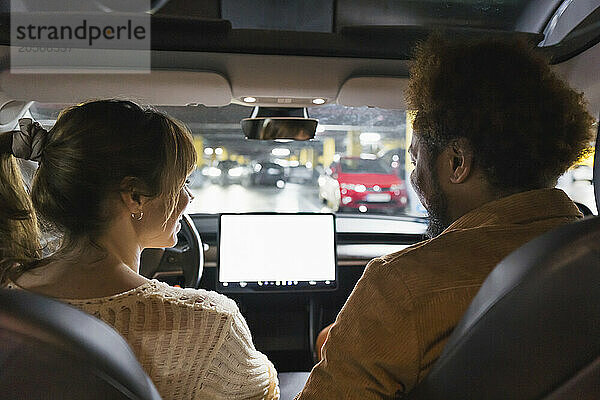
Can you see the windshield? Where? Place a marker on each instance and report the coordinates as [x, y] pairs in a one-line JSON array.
[[236, 175], [273, 176]]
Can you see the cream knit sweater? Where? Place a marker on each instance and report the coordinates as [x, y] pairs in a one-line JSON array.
[[194, 344]]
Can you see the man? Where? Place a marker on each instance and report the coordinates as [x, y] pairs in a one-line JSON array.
[[494, 129]]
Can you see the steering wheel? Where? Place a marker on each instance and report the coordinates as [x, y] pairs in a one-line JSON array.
[[185, 258]]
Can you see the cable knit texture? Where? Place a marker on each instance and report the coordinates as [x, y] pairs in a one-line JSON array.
[[194, 344]]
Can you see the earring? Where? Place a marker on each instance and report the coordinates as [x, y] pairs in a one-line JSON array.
[[138, 216]]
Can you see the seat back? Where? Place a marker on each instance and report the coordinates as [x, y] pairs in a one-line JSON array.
[[49, 350], [533, 329]]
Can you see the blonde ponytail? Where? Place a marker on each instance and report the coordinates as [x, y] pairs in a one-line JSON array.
[[19, 233]]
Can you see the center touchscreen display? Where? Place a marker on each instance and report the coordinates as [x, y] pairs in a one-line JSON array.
[[276, 252]]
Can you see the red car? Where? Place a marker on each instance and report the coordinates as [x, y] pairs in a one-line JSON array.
[[362, 184]]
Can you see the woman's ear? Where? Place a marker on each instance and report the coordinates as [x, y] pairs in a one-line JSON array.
[[131, 195]]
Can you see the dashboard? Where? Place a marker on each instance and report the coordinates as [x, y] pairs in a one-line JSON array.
[[284, 325]]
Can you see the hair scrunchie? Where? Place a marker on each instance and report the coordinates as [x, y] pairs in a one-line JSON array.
[[29, 141]]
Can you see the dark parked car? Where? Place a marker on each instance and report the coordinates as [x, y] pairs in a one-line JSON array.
[[230, 172], [267, 173], [301, 174]]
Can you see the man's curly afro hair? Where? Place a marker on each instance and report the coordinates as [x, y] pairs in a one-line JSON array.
[[526, 126]]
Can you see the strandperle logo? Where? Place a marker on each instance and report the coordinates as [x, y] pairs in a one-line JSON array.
[[56, 39], [84, 31]]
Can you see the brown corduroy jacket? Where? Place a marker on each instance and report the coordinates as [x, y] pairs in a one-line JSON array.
[[395, 323]]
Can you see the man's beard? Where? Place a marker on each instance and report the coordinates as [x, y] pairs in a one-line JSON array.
[[437, 210], [436, 205]]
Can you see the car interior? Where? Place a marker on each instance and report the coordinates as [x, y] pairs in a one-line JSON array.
[[315, 82]]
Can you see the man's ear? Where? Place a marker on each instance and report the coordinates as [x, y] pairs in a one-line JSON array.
[[461, 160], [131, 194]]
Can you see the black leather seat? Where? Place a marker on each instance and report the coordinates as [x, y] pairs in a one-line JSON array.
[[49, 350], [533, 329]]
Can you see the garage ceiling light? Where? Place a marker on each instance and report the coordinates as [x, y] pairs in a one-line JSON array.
[[280, 152], [369, 137]]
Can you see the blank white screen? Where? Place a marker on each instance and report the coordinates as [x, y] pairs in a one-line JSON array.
[[276, 248]]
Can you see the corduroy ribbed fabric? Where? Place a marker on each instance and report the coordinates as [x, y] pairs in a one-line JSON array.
[[194, 344], [401, 312]]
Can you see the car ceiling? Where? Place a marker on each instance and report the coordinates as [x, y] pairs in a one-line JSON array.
[[331, 16], [248, 43]]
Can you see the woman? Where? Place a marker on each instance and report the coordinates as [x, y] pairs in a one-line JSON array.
[[111, 180]]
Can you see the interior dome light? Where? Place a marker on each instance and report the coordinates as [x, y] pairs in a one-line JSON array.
[[250, 99], [318, 101]]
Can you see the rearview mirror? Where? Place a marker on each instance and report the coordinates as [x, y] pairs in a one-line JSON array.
[[273, 128], [273, 123]]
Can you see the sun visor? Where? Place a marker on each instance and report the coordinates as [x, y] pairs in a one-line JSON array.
[[375, 91], [156, 88]]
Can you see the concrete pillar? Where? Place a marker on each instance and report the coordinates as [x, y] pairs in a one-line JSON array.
[[312, 157], [328, 151], [353, 146], [303, 156], [199, 146], [224, 153], [394, 144]]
